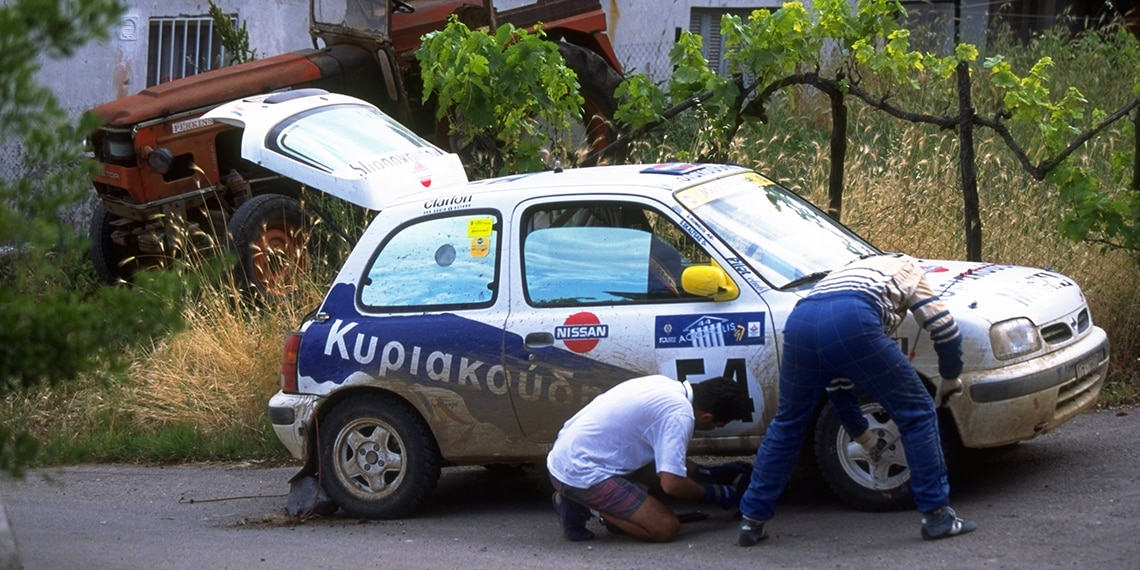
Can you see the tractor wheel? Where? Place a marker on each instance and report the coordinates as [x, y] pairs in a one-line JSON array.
[[270, 236], [113, 262], [597, 82]]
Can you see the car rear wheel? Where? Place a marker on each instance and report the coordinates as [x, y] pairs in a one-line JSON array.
[[269, 235], [868, 484], [378, 459]]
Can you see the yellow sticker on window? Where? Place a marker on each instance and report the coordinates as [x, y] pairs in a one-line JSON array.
[[480, 227], [480, 247]]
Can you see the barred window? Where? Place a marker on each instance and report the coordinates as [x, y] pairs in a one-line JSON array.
[[705, 22], [183, 46]]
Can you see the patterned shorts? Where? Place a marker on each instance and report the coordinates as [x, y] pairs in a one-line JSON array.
[[616, 496]]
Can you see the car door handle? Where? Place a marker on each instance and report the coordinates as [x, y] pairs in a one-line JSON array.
[[539, 340]]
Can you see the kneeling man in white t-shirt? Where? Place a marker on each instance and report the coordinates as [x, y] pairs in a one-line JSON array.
[[641, 421]]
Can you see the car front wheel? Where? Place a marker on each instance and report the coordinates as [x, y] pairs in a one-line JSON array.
[[880, 483], [378, 459]]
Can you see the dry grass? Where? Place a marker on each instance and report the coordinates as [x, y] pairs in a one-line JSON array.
[[220, 371]]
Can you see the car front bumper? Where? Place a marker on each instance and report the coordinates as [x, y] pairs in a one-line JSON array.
[[1019, 402], [290, 415]]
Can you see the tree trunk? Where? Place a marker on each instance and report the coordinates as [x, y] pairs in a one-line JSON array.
[[972, 220], [1136, 151], [838, 153]]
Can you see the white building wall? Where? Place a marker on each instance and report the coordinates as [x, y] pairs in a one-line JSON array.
[[106, 71], [113, 68], [642, 33]]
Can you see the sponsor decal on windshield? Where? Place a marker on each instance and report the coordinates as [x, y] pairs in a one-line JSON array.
[[702, 331], [581, 332], [714, 190]]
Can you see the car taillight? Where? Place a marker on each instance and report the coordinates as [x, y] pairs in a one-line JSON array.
[[289, 363]]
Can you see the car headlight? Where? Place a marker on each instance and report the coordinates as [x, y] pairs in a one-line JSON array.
[[1014, 338]]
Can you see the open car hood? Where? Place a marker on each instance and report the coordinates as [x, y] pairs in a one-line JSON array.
[[339, 145]]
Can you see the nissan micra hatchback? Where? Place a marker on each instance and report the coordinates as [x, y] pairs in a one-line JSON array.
[[473, 318]]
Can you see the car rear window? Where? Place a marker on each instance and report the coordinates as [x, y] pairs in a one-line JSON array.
[[448, 262]]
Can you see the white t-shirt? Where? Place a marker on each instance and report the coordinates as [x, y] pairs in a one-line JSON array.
[[622, 430]]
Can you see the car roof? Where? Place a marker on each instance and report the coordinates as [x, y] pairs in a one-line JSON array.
[[664, 178]]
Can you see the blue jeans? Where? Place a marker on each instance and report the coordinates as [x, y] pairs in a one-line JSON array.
[[840, 335]]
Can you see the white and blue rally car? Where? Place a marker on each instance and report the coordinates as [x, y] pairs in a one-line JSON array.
[[473, 318]]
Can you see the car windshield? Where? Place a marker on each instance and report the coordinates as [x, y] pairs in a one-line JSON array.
[[778, 234], [348, 140]]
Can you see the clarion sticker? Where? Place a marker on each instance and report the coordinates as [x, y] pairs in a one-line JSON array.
[[448, 204]]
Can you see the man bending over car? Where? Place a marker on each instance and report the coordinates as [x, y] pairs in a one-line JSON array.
[[640, 421], [838, 338]]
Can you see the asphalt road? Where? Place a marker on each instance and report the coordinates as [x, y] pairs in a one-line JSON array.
[[1070, 499]]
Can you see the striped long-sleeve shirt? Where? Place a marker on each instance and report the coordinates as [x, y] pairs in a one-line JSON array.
[[897, 284]]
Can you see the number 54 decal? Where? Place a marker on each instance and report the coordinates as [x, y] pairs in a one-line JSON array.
[[735, 369]]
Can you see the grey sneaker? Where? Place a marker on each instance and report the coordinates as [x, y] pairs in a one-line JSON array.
[[944, 523], [751, 532]]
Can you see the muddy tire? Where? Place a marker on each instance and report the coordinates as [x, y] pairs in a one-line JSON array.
[[378, 459], [108, 257], [867, 485], [270, 236]]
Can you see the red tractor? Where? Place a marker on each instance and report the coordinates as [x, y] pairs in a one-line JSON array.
[[174, 184]]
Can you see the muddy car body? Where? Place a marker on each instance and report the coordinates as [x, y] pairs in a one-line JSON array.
[[473, 318]]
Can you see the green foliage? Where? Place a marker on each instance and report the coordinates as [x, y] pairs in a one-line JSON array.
[[52, 331], [864, 52], [54, 322], [512, 88], [234, 40], [643, 102], [1101, 210], [719, 113], [774, 44]]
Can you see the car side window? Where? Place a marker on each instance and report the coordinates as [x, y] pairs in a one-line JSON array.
[[436, 263], [604, 253]]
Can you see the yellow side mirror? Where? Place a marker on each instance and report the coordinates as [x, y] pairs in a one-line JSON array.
[[709, 281]]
